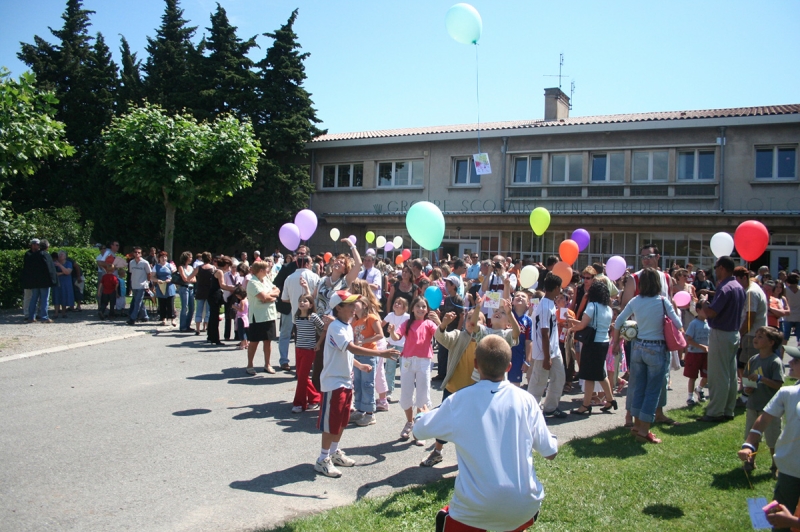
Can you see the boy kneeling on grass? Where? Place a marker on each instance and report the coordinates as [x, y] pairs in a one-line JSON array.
[[337, 385], [495, 426]]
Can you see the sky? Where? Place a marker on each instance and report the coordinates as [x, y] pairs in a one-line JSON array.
[[382, 64]]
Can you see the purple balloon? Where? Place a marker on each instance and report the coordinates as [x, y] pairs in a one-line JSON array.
[[615, 267], [352, 238], [388, 247], [290, 236], [581, 237], [306, 221]]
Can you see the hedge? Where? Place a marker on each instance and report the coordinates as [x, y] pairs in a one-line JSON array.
[[11, 274]]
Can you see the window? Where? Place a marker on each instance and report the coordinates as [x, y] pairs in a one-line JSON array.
[[400, 174], [528, 170], [608, 167], [464, 172], [342, 175], [696, 164], [566, 168], [650, 165], [776, 163]]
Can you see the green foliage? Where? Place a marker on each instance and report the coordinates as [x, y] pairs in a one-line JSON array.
[[11, 292], [28, 131], [61, 226], [131, 88]]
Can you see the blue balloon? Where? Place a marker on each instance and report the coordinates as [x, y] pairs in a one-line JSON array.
[[433, 295], [464, 23]]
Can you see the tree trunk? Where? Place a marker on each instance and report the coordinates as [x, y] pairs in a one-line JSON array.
[[169, 225]]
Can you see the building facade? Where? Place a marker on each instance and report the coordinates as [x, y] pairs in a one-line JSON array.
[[671, 178]]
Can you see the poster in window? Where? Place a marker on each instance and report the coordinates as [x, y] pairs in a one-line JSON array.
[[482, 165]]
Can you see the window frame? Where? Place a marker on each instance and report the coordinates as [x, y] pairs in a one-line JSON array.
[[410, 163], [566, 180], [607, 177], [650, 166], [528, 159], [695, 165], [775, 149], [336, 176], [471, 173]]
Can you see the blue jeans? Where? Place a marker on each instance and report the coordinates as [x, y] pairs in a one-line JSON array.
[[285, 338], [186, 293], [364, 385], [201, 305], [390, 369], [137, 307], [787, 330], [42, 295], [649, 368]]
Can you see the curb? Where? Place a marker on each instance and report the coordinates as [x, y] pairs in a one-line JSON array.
[[70, 346]]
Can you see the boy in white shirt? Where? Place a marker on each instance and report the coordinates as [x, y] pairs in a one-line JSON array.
[[547, 364], [336, 384], [495, 426]]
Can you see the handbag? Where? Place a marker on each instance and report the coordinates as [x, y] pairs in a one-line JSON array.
[[672, 335], [586, 335]]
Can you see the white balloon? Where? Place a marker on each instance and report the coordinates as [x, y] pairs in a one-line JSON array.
[[529, 276], [721, 245], [334, 234], [398, 242], [380, 241]]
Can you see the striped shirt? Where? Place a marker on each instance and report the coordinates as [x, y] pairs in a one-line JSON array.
[[307, 328]]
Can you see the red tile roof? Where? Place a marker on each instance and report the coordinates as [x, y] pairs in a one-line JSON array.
[[571, 121]]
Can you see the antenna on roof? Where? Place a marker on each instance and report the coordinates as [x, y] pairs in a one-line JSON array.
[[560, 75], [571, 93]]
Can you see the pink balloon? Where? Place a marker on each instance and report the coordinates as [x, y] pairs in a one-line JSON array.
[[581, 237], [289, 235], [388, 247], [306, 221], [352, 238], [682, 299], [615, 267], [371, 251]]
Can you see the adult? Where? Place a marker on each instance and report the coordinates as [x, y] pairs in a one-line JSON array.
[[292, 290], [187, 274], [285, 308], [202, 287], [243, 259], [152, 258], [683, 284], [419, 273], [793, 298], [474, 270], [460, 269], [140, 281], [777, 306], [78, 285], [649, 357], [232, 278], [404, 287], [38, 276], [216, 299], [261, 296], [165, 289], [63, 293], [371, 274], [344, 270], [597, 315], [580, 301], [754, 316], [724, 319]]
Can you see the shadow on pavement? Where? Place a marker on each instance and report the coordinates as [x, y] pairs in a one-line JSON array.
[[407, 477], [238, 375], [191, 412], [267, 483]]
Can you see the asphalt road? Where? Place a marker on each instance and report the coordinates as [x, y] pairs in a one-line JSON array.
[[166, 433]]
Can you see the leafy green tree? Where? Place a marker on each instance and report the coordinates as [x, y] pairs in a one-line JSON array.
[[29, 133], [61, 226], [178, 160]]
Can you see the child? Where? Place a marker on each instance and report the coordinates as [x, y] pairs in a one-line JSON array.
[[565, 347], [548, 366], [397, 318], [241, 306], [696, 359], [367, 332], [615, 364], [416, 359], [521, 352], [306, 396], [495, 427], [108, 295], [122, 290], [336, 384], [765, 370]]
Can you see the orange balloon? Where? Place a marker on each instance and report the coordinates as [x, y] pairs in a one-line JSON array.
[[406, 254], [399, 260], [563, 270], [568, 250], [327, 257]]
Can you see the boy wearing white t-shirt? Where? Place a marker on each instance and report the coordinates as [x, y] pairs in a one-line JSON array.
[[336, 384], [495, 426], [547, 366]]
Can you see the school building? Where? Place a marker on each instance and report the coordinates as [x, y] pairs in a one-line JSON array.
[[673, 178]]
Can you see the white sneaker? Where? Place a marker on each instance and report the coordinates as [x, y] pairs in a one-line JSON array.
[[406, 432], [355, 417], [340, 459], [366, 419], [327, 468], [312, 407], [297, 409]]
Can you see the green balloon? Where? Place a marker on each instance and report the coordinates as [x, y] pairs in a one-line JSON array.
[[370, 236], [464, 23], [425, 224], [540, 220]]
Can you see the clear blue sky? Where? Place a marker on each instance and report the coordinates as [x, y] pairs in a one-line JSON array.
[[381, 64]]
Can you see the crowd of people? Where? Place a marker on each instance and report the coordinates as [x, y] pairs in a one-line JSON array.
[[356, 319]]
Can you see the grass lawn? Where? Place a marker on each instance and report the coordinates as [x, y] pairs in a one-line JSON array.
[[692, 481]]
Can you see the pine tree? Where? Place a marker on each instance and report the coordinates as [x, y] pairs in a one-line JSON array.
[[171, 63], [131, 89]]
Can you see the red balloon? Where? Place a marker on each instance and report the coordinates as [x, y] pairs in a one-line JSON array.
[[399, 260], [563, 270], [327, 257], [751, 240], [406, 254], [568, 250]]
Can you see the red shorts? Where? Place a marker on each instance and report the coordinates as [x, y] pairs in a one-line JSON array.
[[334, 412], [445, 523], [695, 364]]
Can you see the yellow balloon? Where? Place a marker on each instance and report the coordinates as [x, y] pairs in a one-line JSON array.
[[334, 234], [370, 236], [540, 220]]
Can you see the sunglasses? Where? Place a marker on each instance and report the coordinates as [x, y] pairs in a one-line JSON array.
[[588, 278], [650, 256]]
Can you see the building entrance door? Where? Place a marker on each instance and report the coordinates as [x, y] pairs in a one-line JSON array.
[[458, 248], [782, 259]]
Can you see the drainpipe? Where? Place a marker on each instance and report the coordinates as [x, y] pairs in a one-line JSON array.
[[313, 181], [503, 150], [721, 141]]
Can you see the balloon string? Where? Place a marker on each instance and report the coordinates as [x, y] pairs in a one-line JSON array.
[[478, 96]]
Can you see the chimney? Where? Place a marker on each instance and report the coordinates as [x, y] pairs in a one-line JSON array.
[[556, 104]]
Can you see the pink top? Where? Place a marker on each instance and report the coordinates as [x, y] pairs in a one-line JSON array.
[[244, 306], [419, 339]]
